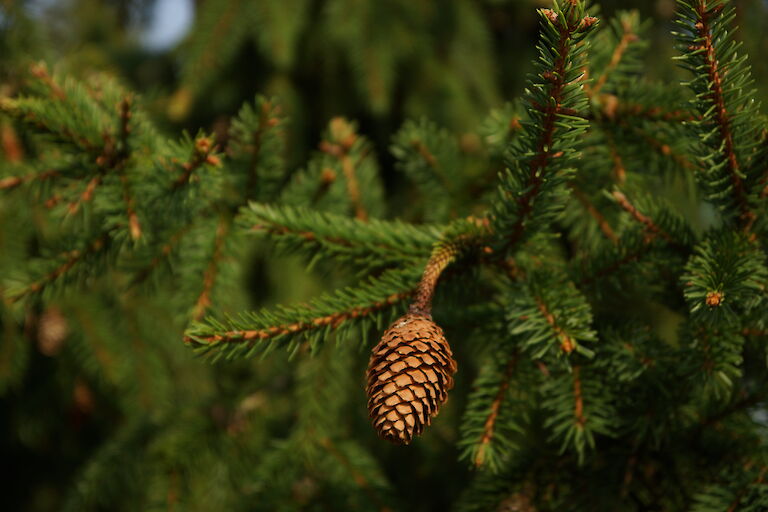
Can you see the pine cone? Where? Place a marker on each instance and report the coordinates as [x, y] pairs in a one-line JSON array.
[[409, 375]]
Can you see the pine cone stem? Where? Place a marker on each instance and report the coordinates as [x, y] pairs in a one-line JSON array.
[[441, 257]]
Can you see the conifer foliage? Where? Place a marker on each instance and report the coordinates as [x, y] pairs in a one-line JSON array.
[[597, 265]]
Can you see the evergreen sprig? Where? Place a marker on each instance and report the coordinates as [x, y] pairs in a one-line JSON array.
[[491, 422], [540, 158], [319, 235], [722, 84], [253, 333], [550, 321], [726, 277]]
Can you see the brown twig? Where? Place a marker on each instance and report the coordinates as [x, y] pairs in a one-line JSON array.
[[203, 301], [85, 196], [431, 161], [165, 250], [73, 258], [651, 227], [664, 149], [567, 344], [602, 222], [202, 153], [11, 182], [265, 122], [344, 139], [578, 407], [627, 37], [616, 265], [11, 146], [40, 71], [489, 427], [619, 171], [124, 109]]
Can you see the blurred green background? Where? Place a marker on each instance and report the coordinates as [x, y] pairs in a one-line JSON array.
[[196, 61], [376, 62]]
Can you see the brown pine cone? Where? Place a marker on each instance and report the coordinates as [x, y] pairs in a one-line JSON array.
[[409, 375]]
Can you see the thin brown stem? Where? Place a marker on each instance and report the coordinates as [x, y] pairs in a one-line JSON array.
[[619, 170], [567, 344], [40, 71], [73, 258], [340, 148], [602, 222], [203, 301], [431, 161], [578, 407], [165, 250], [441, 257], [85, 196], [134, 226], [618, 53], [202, 153], [11, 182], [489, 427], [652, 228]]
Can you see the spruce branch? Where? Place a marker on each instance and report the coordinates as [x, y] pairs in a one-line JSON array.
[[540, 156], [164, 251], [203, 301], [599, 218], [429, 156], [662, 231], [625, 26], [357, 476], [619, 169], [203, 152], [71, 260], [255, 332], [65, 111], [721, 81], [84, 197], [257, 137], [11, 182], [759, 480], [578, 398], [650, 226], [40, 71], [726, 276], [550, 320], [616, 110], [343, 178], [342, 139], [373, 243], [489, 426], [490, 419], [578, 409], [123, 154], [623, 257]]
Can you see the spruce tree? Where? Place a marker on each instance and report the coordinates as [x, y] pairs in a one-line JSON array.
[[566, 310]]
